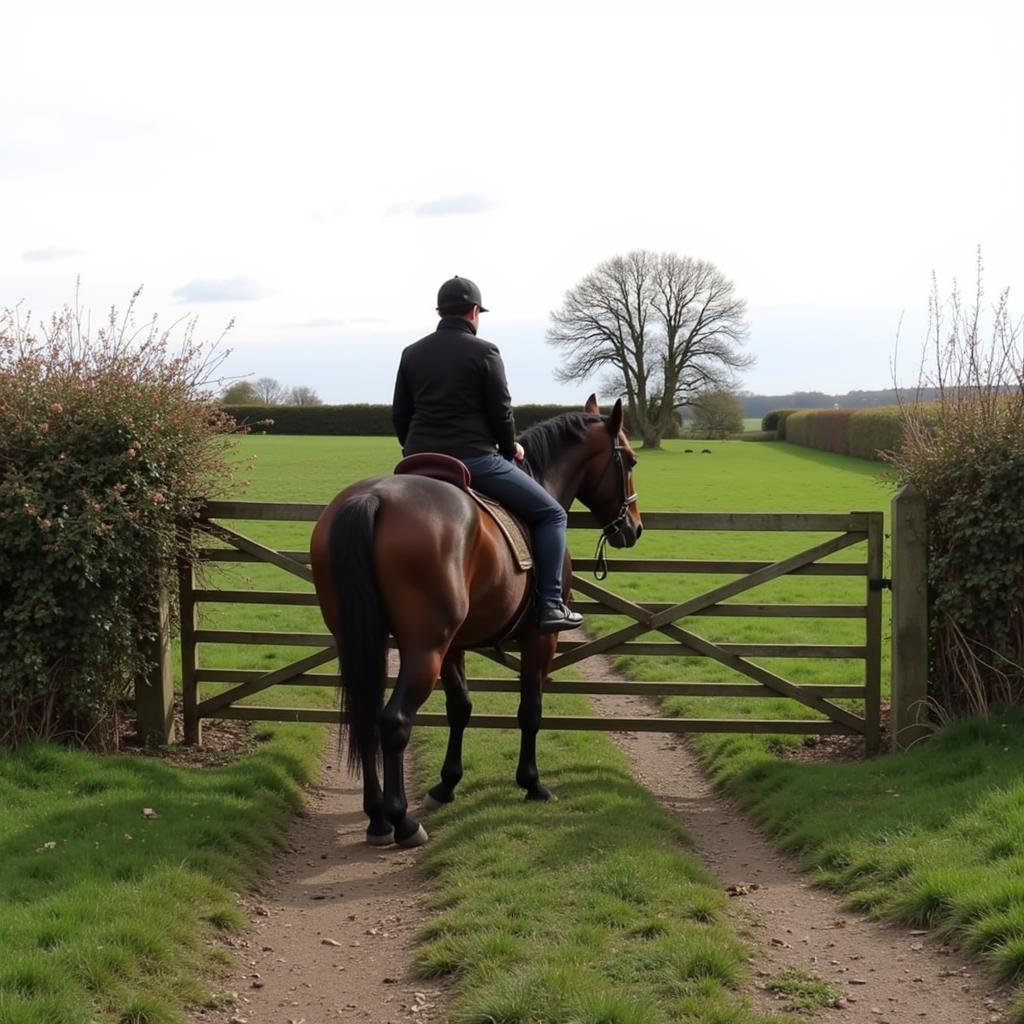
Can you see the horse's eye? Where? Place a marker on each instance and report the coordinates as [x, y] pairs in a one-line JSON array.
[[632, 462]]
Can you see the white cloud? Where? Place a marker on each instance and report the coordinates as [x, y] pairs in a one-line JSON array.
[[324, 322], [356, 186], [50, 252], [228, 289], [446, 206]]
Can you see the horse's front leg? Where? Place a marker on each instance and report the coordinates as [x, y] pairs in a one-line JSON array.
[[458, 708], [415, 681], [537, 653]]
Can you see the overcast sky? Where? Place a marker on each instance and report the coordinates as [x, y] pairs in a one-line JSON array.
[[315, 170]]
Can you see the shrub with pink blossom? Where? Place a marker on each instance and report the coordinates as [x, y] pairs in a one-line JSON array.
[[107, 439]]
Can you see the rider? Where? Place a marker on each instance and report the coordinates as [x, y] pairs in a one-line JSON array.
[[451, 396]]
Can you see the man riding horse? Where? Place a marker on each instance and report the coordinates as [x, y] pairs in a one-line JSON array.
[[417, 559], [451, 397]]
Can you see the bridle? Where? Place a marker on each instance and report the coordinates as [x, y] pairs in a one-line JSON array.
[[616, 524]]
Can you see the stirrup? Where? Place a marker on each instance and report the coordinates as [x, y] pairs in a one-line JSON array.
[[554, 618]]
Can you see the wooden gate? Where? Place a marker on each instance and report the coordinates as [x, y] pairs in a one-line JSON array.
[[862, 530]]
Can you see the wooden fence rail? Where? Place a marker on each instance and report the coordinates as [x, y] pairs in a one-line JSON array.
[[670, 622]]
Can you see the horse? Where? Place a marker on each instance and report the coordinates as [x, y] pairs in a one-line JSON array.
[[416, 557]]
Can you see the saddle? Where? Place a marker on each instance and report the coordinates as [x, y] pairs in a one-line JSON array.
[[451, 471]]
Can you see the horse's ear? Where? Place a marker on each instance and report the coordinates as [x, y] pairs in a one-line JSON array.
[[592, 405], [615, 419]]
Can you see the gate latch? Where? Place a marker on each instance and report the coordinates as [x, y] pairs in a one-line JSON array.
[[883, 583]]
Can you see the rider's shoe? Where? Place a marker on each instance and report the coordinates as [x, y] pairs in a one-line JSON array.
[[553, 618]]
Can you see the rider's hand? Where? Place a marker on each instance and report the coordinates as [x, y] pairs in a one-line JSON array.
[[520, 454]]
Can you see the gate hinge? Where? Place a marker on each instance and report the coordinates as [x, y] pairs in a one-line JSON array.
[[884, 583]]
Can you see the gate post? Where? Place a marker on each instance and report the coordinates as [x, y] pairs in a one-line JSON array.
[[187, 605], [154, 693], [873, 636], [909, 617]]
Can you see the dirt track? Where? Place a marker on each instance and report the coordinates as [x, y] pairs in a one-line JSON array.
[[885, 975], [332, 928]]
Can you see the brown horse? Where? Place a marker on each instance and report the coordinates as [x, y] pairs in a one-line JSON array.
[[416, 557]]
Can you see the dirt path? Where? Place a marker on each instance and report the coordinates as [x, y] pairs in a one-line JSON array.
[[333, 924], [885, 975]]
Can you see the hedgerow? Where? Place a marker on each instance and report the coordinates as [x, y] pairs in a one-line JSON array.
[[356, 420], [965, 453], [776, 420], [106, 443], [875, 432], [862, 433]]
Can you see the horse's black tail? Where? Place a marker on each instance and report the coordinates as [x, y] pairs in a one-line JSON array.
[[362, 629]]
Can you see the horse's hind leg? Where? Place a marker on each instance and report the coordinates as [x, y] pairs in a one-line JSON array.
[[380, 831], [458, 708], [537, 652], [415, 681]]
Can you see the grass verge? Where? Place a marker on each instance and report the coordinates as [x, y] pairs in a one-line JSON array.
[[104, 913], [932, 838]]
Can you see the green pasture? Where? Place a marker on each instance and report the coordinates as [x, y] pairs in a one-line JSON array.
[[934, 837], [588, 909]]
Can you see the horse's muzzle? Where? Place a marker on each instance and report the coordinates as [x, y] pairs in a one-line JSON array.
[[627, 534]]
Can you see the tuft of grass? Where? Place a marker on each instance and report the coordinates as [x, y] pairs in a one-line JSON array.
[[804, 992]]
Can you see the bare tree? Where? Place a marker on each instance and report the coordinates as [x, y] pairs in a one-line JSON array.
[[303, 396], [269, 391], [665, 328]]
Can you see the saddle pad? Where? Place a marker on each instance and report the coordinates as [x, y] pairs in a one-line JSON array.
[[514, 531]]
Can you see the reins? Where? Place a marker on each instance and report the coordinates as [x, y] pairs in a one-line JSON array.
[[615, 526]]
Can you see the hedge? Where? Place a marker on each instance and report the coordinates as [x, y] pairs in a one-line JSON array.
[[874, 431], [776, 420], [361, 420], [106, 440], [862, 433]]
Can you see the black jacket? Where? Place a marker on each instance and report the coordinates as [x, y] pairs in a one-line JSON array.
[[451, 395]]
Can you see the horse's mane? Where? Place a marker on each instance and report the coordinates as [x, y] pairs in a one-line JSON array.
[[543, 442]]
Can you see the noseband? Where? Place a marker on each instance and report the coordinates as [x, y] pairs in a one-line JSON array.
[[615, 526]]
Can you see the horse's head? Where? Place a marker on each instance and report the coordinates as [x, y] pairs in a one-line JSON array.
[[606, 486]]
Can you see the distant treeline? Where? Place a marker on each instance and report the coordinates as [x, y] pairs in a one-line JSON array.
[[758, 405], [360, 420]]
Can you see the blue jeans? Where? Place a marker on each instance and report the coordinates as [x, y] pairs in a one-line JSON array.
[[506, 483]]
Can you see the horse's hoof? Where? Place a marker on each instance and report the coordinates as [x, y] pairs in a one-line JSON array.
[[540, 793], [381, 839], [418, 838], [438, 797]]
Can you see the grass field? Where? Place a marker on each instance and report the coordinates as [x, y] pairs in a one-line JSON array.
[[535, 944], [569, 910], [934, 837]]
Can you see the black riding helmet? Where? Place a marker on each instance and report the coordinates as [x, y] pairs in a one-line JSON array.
[[459, 291]]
